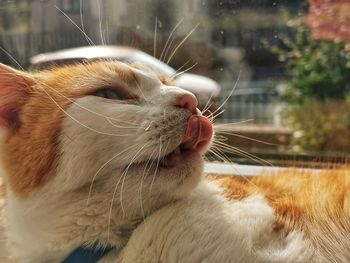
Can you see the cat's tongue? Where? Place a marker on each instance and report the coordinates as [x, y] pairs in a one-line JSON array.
[[198, 133]]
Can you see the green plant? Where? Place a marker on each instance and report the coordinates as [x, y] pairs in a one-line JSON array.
[[318, 68], [318, 89]]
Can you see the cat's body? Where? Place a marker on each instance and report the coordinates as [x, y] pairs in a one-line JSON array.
[[105, 152], [206, 227], [294, 216]]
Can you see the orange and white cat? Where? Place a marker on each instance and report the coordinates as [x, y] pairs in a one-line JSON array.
[[106, 152]]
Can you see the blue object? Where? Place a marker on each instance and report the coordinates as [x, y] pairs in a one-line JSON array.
[[85, 254]]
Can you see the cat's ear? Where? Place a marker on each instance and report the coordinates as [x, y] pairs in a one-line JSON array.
[[14, 88]]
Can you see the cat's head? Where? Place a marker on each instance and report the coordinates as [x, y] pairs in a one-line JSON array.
[[96, 125]]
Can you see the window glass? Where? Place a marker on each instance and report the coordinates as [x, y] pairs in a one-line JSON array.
[[281, 67], [71, 5]]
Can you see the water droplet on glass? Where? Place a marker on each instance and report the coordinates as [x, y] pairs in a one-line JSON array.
[[222, 32], [274, 3], [138, 27], [275, 36], [221, 69]]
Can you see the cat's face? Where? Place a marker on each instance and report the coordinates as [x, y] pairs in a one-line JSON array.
[[105, 123]]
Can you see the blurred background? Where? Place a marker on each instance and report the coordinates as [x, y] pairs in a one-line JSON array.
[[282, 66]]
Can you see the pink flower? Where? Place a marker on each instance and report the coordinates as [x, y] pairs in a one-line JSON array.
[[330, 19]]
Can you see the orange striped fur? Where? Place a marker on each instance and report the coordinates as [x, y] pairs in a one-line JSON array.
[[297, 196], [317, 204]]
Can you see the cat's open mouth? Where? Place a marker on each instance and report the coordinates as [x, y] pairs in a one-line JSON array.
[[196, 137]]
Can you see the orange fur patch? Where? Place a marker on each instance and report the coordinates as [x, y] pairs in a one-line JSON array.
[[30, 154], [301, 200], [14, 87]]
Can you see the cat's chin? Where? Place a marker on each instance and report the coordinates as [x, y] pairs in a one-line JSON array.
[[178, 157]]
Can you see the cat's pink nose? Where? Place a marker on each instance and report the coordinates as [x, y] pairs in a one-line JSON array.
[[187, 101]]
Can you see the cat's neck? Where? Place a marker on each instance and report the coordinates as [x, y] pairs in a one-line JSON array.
[[73, 221]]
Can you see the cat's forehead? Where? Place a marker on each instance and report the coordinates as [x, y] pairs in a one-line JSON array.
[[91, 75]]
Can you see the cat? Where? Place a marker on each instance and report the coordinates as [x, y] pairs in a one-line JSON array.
[[77, 146], [109, 153]]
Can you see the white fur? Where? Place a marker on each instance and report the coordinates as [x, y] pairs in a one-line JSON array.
[[205, 227]]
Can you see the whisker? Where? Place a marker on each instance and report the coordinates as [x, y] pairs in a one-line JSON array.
[[210, 116], [79, 122], [107, 31], [82, 23], [242, 153], [230, 94], [103, 166], [184, 71], [90, 42], [100, 22], [111, 206], [116, 187], [208, 104], [170, 35], [207, 110], [178, 70], [217, 153], [11, 57], [139, 153], [158, 161], [138, 86], [232, 123], [155, 37], [12, 74], [122, 127], [82, 107], [213, 117], [169, 47], [227, 148], [144, 174], [220, 138], [246, 137], [180, 44]]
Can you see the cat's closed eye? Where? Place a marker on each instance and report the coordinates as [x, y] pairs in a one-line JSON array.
[[108, 93]]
